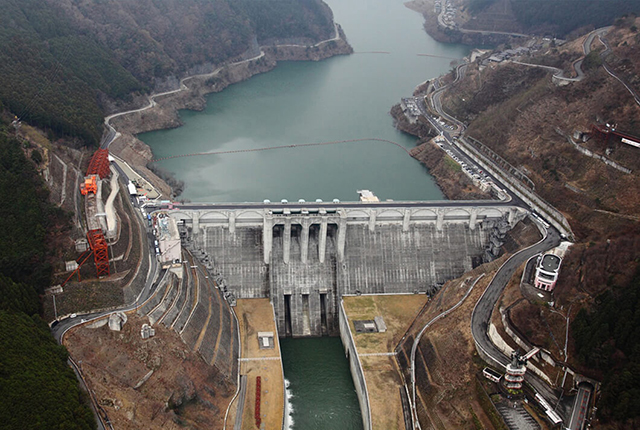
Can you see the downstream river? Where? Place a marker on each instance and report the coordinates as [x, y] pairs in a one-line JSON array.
[[322, 395], [306, 102]]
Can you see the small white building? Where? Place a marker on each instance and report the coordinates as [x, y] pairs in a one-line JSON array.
[[169, 249], [367, 196]]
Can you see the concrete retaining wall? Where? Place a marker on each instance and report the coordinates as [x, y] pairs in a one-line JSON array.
[[356, 369], [500, 343]]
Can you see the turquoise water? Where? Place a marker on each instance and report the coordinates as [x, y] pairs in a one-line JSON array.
[[346, 97], [323, 395]]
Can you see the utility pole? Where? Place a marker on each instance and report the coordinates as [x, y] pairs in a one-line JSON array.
[[55, 311]]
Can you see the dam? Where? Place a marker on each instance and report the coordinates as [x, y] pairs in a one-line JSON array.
[[300, 102], [304, 257]]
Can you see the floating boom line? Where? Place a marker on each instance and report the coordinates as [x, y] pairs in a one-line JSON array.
[[269, 148]]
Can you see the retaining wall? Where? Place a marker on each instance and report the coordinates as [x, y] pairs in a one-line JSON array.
[[356, 368]]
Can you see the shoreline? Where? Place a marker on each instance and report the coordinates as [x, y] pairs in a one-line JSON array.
[[453, 185], [462, 36], [161, 110]]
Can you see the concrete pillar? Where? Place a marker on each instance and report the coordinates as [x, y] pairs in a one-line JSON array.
[[267, 238], [512, 216], [372, 220], [472, 218], [322, 240], [406, 220], [440, 219], [304, 241], [286, 245], [232, 222], [204, 236], [195, 223], [342, 235]]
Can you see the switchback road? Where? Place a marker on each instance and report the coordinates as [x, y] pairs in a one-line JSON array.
[[481, 316]]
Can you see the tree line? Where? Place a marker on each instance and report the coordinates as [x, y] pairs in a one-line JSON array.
[[62, 64], [608, 339], [558, 18], [38, 389]]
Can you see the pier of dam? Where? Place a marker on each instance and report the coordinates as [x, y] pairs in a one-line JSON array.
[[305, 257]]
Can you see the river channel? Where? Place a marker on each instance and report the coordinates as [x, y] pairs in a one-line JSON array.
[[342, 98]]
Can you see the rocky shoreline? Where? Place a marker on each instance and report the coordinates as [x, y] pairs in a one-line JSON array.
[[447, 174], [162, 111]]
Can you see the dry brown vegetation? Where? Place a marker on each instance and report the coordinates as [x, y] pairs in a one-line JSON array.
[[446, 359], [182, 392], [523, 116]]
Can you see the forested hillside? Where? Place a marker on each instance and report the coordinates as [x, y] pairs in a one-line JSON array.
[[38, 389], [608, 339], [61, 60], [558, 18]]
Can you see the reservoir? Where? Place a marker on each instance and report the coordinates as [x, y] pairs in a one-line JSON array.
[[342, 98]]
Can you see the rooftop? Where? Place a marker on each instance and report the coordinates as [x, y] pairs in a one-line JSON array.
[[550, 263]]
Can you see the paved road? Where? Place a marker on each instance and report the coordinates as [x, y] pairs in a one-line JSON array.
[[485, 32], [416, 341], [482, 312], [112, 134], [586, 49], [577, 65], [335, 206], [436, 97], [580, 408], [557, 73], [610, 71], [60, 328], [435, 100]]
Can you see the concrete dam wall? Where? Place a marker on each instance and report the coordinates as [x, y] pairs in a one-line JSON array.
[[304, 264]]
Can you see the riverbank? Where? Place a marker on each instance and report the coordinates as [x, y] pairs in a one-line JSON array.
[[449, 35], [162, 110], [447, 173]]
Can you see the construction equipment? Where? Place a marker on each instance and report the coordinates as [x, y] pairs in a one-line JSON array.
[[607, 130], [100, 249], [99, 164], [90, 185], [98, 167]]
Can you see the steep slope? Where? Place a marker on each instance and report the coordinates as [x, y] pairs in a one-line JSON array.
[[62, 62], [522, 115]]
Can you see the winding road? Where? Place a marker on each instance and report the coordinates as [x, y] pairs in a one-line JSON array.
[[481, 316], [417, 339], [577, 65], [112, 134]]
